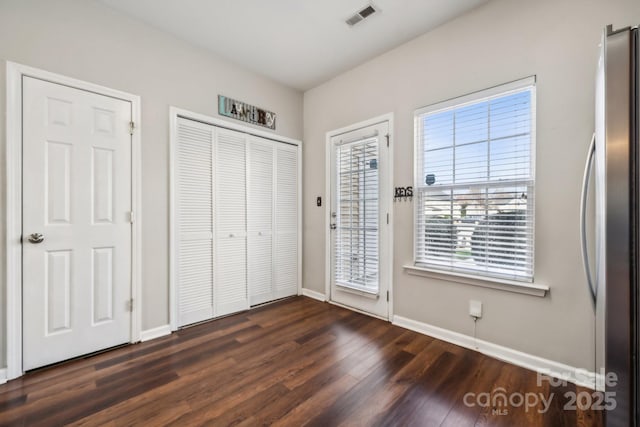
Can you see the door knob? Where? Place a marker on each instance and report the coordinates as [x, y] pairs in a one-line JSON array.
[[36, 238]]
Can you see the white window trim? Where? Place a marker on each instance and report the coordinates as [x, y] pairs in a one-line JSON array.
[[533, 289], [13, 245], [460, 101], [530, 288]]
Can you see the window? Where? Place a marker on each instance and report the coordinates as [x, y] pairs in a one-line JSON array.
[[357, 189], [475, 183]]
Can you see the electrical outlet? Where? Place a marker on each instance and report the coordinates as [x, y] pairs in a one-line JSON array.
[[475, 309]]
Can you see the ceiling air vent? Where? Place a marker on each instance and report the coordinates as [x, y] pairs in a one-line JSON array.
[[361, 15]]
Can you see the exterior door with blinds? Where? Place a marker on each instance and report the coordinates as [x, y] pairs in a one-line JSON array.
[[360, 242]]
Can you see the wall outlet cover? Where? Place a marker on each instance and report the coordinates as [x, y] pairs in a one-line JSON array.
[[475, 308]]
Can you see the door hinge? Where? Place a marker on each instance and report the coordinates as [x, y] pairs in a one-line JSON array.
[[387, 218], [387, 296], [387, 136], [132, 127], [130, 305], [132, 217]]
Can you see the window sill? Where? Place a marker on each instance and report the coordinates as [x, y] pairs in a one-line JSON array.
[[492, 283]]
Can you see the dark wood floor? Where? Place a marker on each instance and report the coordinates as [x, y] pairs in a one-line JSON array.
[[295, 362]]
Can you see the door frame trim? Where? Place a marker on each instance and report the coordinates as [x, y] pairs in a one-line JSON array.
[[13, 185], [174, 114], [388, 118]]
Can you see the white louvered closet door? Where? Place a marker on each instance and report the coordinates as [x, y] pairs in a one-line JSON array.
[[286, 220], [231, 218], [194, 225], [260, 219]]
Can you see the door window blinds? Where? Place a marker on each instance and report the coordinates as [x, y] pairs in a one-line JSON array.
[[356, 245], [475, 184]]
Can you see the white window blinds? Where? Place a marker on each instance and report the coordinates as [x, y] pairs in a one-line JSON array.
[[475, 183], [356, 245]]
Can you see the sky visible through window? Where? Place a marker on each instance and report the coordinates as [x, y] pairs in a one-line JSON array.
[[483, 141], [475, 188]]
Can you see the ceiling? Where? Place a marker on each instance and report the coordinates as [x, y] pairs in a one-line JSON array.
[[300, 43]]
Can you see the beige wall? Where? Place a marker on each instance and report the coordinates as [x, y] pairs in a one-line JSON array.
[[501, 41], [88, 41], [504, 40]]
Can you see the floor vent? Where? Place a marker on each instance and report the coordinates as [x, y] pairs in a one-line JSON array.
[[361, 15]]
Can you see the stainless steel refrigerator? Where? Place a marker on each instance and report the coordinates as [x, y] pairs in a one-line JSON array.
[[614, 282]]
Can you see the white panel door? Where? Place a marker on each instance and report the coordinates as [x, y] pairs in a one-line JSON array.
[[76, 223], [194, 225], [360, 192], [260, 197], [230, 290], [286, 221]]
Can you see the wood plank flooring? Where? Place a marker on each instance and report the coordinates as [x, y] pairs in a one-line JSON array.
[[295, 362]]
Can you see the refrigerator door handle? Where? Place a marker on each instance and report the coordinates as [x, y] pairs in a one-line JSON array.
[[583, 220]]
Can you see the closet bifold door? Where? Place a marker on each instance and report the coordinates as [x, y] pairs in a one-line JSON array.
[[286, 221], [194, 222], [230, 290], [260, 197]]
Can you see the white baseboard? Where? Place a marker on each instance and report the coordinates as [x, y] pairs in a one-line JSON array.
[[3, 375], [559, 370], [151, 334], [313, 294], [600, 385]]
